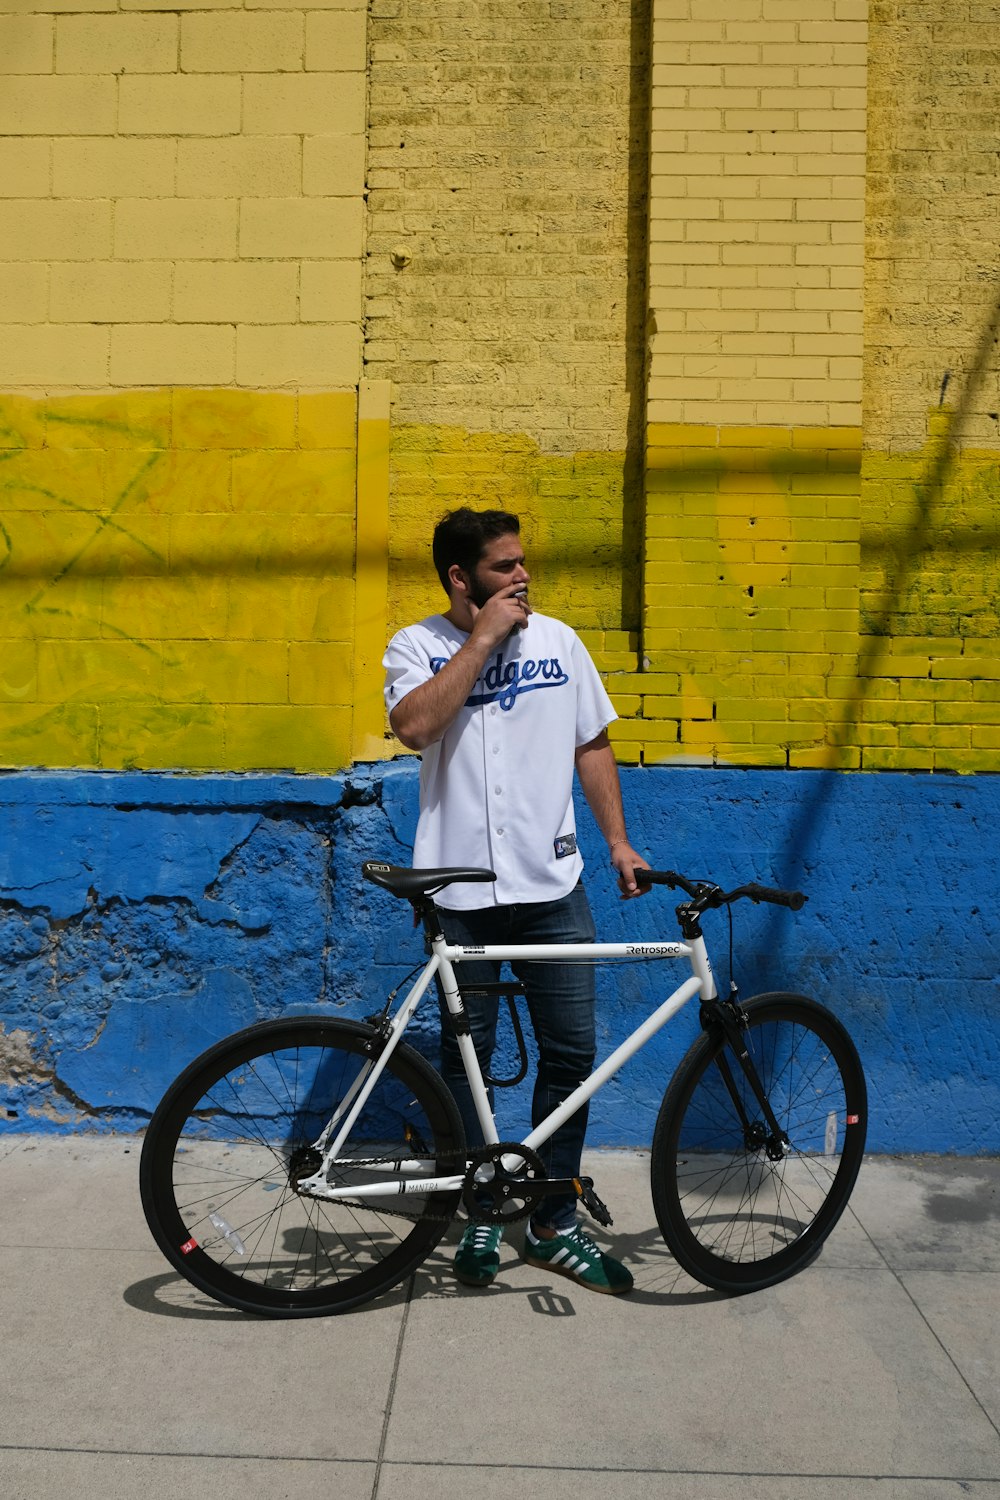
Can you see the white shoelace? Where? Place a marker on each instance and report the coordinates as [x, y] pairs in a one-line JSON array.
[[482, 1236]]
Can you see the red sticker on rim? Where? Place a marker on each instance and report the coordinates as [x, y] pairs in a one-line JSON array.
[[188, 1246], [853, 1119]]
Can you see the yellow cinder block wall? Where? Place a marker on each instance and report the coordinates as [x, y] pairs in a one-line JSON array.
[[180, 350], [280, 283], [177, 579]]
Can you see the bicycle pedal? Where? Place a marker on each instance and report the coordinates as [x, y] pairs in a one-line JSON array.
[[595, 1206]]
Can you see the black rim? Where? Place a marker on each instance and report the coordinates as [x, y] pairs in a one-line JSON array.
[[233, 1138], [736, 1213]]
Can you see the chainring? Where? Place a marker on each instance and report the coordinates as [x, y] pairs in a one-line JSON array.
[[505, 1196]]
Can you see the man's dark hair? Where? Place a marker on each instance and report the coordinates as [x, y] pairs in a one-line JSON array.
[[461, 537]]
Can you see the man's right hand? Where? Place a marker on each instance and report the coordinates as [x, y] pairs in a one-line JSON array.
[[506, 610], [424, 715]]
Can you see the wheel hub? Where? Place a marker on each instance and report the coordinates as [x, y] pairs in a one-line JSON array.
[[304, 1162]]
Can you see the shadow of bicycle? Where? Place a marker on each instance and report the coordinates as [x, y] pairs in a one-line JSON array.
[[659, 1281]]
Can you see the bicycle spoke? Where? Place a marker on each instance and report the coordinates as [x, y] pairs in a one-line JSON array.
[[738, 1206], [224, 1163]]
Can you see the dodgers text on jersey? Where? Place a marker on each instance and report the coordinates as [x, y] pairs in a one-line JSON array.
[[504, 682]]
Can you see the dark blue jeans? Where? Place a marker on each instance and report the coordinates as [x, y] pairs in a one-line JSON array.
[[560, 998]]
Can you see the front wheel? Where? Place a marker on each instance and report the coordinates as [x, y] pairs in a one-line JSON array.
[[739, 1211], [233, 1139]]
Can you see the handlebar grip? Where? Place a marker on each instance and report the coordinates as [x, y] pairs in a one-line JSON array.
[[705, 895], [794, 900]]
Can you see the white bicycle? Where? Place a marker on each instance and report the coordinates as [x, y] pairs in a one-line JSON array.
[[306, 1165]]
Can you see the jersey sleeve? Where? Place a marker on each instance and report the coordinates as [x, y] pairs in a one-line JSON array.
[[407, 665], [594, 709]]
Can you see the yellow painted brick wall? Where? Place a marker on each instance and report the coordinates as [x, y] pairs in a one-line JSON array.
[[184, 193], [930, 581], [177, 580], [182, 245], [811, 600], [931, 254], [505, 288], [752, 537], [181, 239], [751, 589], [930, 559], [757, 211]]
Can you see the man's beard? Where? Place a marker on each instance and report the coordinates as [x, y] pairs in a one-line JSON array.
[[479, 593]]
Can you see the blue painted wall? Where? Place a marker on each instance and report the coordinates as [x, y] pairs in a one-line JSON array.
[[144, 916]]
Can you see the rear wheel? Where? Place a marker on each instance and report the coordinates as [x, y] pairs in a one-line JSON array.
[[233, 1138], [738, 1211]]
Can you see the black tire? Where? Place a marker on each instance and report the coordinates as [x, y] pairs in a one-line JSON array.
[[734, 1219], [235, 1129]]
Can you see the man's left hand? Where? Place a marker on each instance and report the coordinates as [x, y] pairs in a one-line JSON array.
[[626, 861]]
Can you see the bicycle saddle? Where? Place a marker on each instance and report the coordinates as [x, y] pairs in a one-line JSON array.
[[410, 883]]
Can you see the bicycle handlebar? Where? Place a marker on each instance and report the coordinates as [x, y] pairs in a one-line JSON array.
[[704, 895], [794, 900]]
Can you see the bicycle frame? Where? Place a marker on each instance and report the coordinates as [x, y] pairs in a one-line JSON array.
[[407, 1175]]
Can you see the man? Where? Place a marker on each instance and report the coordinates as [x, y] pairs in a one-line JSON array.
[[504, 704]]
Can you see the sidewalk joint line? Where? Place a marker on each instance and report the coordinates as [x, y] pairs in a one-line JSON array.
[[537, 1468], [898, 1278], [380, 1457]]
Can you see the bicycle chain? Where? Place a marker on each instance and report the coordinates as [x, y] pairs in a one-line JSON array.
[[471, 1159]]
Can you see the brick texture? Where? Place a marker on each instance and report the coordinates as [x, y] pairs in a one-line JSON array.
[[181, 243], [751, 588], [512, 313], [757, 213], [173, 150], [505, 301], [821, 603], [931, 289], [930, 573], [599, 239], [178, 568]]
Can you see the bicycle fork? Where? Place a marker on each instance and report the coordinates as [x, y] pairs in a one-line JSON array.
[[727, 1017]]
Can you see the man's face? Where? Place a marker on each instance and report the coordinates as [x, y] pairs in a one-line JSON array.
[[501, 564]]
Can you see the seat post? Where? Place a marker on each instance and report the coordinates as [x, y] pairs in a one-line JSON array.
[[425, 912]]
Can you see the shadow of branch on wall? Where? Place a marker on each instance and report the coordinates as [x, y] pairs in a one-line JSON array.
[[902, 559]]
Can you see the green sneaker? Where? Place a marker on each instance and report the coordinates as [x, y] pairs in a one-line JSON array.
[[477, 1259], [574, 1254]]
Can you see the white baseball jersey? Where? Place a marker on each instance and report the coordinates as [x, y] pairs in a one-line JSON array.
[[497, 790]]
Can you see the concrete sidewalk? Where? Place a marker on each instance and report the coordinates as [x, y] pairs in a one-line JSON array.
[[874, 1373]]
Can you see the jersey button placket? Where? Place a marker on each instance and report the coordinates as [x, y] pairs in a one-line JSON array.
[[494, 773]]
